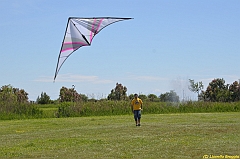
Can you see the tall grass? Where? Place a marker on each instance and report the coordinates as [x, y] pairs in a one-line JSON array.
[[108, 108], [199, 107], [19, 111], [92, 108]]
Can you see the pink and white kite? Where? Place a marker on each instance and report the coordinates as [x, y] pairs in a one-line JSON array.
[[80, 32]]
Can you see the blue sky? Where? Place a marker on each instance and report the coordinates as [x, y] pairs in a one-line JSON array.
[[167, 43]]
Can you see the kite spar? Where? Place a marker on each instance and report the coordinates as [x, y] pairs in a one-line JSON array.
[[80, 32]]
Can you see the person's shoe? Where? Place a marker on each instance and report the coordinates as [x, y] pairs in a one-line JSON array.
[[139, 125]]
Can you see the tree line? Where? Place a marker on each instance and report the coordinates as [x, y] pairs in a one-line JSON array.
[[216, 91], [118, 93]]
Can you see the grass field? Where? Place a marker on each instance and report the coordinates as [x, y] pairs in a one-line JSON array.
[[188, 135]]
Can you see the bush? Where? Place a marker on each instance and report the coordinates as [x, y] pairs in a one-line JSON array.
[[19, 111]]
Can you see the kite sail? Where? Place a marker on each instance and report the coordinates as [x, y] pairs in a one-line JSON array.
[[80, 32]]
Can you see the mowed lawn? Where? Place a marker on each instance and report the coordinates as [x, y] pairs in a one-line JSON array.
[[190, 135]]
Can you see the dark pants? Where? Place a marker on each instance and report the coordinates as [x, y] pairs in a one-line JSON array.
[[137, 114]]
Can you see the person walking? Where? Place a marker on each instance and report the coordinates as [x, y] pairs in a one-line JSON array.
[[137, 106]]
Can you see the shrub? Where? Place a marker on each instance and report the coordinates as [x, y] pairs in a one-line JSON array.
[[19, 111]]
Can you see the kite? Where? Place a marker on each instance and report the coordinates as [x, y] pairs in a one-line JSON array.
[[80, 32]]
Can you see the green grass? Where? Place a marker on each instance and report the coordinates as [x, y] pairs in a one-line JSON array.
[[49, 112], [188, 135]]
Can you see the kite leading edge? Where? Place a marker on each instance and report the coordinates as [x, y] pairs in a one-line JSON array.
[[80, 32]]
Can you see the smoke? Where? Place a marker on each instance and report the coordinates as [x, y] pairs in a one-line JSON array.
[[180, 86]]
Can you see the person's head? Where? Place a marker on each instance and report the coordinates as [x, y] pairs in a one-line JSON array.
[[135, 96]]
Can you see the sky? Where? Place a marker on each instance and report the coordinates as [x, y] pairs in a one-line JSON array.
[[166, 44]]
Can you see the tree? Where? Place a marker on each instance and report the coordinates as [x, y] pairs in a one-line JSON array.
[[217, 91], [13, 99], [69, 95], [11, 94], [118, 93], [195, 87], [234, 89], [7, 95], [84, 97], [131, 96], [142, 96], [22, 96], [169, 97], [151, 97], [43, 99]]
